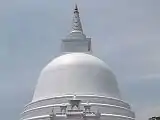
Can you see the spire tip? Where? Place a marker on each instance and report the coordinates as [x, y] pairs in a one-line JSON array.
[[76, 7], [76, 25]]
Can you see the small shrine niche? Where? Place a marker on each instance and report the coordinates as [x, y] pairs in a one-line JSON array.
[[63, 108], [87, 107], [75, 103], [52, 115]]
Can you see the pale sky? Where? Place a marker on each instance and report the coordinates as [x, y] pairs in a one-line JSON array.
[[125, 34]]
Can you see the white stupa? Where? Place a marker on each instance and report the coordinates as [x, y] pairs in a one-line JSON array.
[[77, 85]]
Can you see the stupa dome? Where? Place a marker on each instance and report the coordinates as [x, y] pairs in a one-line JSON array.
[[78, 73], [77, 85]]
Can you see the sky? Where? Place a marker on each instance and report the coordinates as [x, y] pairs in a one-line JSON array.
[[125, 34]]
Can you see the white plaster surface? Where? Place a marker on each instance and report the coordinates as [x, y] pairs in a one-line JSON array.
[[76, 73]]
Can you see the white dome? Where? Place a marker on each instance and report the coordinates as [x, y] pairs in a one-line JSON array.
[[76, 73]]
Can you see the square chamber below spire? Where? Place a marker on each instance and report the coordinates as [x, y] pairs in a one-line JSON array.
[[76, 45]]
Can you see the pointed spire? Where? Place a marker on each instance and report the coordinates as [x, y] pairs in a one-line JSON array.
[[76, 8], [76, 24]]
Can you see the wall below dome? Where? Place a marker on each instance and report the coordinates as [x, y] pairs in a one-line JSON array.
[[109, 106], [103, 117], [85, 98], [46, 110]]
